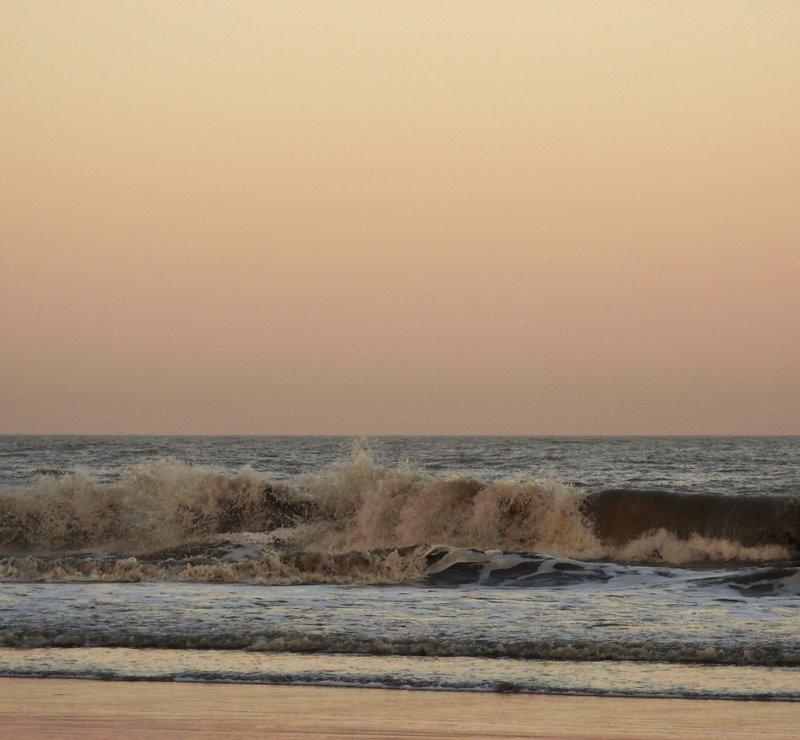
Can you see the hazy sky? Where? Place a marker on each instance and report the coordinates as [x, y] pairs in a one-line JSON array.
[[400, 217]]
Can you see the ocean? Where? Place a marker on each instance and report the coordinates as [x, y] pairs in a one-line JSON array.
[[593, 566]]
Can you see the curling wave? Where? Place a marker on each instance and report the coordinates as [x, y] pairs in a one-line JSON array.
[[358, 522]]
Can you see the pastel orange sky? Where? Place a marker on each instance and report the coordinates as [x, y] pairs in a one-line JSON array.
[[400, 217]]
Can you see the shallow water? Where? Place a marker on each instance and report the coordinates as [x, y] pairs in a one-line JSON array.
[[505, 675]]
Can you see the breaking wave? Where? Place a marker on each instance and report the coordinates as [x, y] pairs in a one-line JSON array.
[[358, 521]]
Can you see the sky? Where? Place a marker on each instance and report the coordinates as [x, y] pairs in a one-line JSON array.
[[364, 217]]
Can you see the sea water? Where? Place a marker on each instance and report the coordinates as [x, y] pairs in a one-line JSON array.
[[621, 566]]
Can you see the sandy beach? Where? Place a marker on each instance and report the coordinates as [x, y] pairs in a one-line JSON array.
[[34, 708]]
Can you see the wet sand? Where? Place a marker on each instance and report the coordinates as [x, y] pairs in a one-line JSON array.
[[98, 709]]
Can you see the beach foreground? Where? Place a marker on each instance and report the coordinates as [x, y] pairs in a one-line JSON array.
[[73, 708]]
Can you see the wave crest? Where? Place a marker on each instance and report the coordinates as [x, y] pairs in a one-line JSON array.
[[156, 510], [155, 504], [362, 505]]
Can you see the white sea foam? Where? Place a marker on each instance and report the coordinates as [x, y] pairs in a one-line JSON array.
[[355, 521]]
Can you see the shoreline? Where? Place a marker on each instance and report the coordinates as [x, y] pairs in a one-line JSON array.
[[344, 686], [88, 708]]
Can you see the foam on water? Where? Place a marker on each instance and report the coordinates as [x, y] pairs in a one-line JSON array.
[[355, 521], [668, 617]]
